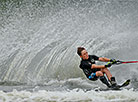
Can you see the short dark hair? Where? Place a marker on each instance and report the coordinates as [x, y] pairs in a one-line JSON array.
[[79, 50]]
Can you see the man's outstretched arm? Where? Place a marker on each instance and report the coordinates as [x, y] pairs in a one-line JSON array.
[[103, 59]]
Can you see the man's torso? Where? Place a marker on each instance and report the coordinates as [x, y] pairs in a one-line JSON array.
[[85, 65]]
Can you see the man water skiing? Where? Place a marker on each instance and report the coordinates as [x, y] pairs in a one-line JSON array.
[[94, 72]]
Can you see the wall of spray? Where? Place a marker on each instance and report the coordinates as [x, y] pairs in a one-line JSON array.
[[39, 38]]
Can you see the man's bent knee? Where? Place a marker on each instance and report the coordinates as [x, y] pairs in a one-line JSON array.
[[104, 70], [99, 73]]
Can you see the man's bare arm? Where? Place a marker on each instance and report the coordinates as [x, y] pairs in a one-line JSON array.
[[97, 66], [103, 59]]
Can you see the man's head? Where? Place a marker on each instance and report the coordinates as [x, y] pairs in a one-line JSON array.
[[82, 53]]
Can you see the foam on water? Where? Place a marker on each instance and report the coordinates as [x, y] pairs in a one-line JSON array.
[[76, 95], [71, 90]]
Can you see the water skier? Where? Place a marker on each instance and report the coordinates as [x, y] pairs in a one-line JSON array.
[[94, 72]]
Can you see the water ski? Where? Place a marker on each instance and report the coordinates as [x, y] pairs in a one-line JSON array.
[[126, 83], [118, 87]]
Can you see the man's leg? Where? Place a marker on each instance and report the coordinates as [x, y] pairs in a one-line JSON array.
[[103, 78], [107, 72], [109, 76]]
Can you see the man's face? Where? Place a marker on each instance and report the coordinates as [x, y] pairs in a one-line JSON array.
[[84, 54]]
